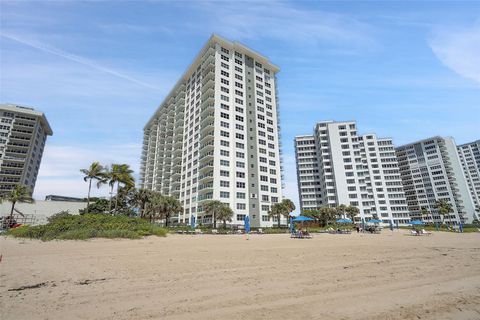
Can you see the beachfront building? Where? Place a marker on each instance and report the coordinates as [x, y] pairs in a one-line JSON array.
[[469, 154], [23, 133], [338, 166], [216, 136], [431, 170]]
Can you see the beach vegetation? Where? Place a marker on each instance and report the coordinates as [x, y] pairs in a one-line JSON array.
[[65, 226]]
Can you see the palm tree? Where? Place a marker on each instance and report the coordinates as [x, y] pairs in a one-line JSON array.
[[288, 207], [116, 175], [277, 210], [213, 208], [141, 198], [352, 211], [94, 172], [20, 193], [225, 214], [425, 213], [341, 210], [171, 206], [325, 214], [444, 208]]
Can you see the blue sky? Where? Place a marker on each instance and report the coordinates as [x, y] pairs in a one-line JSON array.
[[98, 69]]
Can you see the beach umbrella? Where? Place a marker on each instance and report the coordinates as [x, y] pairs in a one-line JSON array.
[[344, 220], [302, 218], [391, 225], [363, 223], [192, 222], [292, 227], [247, 224], [416, 223], [374, 221]]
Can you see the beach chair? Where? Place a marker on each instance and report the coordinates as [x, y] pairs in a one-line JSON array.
[[414, 233], [425, 233], [198, 231], [260, 231], [214, 231]]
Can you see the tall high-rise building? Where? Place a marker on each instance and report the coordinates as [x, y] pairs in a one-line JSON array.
[[23, 133], [431, 171], [216, 136], [337, 166], [470, 159]]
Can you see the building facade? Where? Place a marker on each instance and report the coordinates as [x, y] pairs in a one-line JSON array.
[[338, 166], [431, 170], [469, 154], [216, 136], [23, 133]]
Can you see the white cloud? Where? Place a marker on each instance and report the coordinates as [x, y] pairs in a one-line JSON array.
[[60, 168], [459, 50]]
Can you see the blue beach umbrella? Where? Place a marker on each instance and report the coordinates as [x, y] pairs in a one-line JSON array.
[[344, 220], [247, 224], [374, 221], [302, 218], [416, 223]]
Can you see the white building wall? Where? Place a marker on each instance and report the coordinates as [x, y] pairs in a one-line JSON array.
[[352, 170], [229, 148], [430, 171], [23, 134], [469, 154]]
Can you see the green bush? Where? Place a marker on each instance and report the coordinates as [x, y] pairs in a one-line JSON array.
[[80, 227]]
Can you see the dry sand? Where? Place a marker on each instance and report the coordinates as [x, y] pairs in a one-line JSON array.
[[388, 276]]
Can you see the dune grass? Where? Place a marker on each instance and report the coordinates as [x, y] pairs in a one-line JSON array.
[[81, 227]]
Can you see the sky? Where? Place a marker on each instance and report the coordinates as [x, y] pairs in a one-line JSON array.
[[99, 69]]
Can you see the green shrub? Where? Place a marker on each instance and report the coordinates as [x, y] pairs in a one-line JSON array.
[[80, 227]]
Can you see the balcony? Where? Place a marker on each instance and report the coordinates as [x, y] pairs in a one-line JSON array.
[[206, 156], [208, 87], [207, 108], [207, 146], [208, 99], [207, 116], [207, 137], [205, 166], [206, 177]]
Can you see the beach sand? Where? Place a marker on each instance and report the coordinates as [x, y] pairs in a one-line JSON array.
[[387, 276]]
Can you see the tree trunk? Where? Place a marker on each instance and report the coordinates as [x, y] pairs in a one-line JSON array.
[[214, 221], [224, 224], [278, 218], [116, 197], [11, 211], [88, 196], [110, 203]]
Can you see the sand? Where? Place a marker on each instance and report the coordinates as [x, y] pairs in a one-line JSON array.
[[387, 276]]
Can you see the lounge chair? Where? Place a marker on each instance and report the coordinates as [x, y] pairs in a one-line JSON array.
[[414, 233], [425, 233], [260, 231], [214, 231], [198, 231]]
